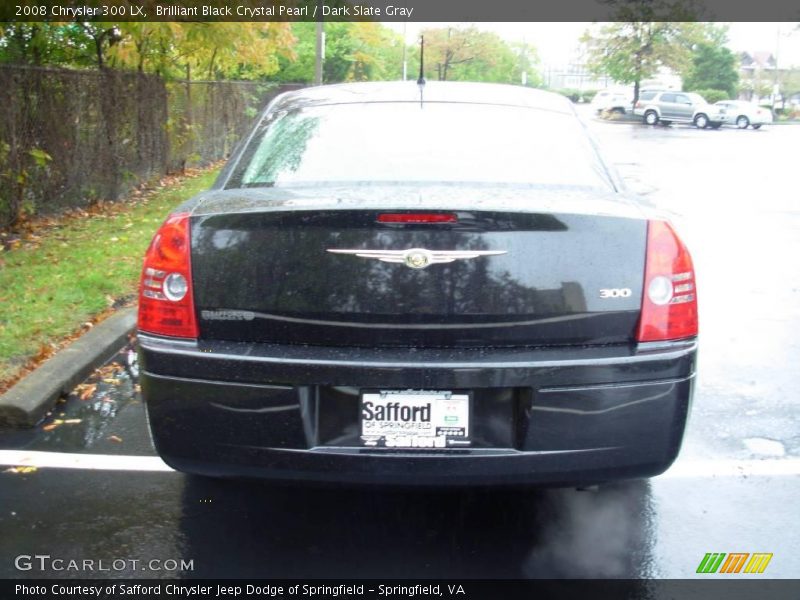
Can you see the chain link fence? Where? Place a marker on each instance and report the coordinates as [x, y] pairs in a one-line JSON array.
[[69, 138]]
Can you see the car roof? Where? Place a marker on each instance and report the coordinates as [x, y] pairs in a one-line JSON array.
[[434, 91]]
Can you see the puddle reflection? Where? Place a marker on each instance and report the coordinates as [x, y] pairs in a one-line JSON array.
[[253, 529]]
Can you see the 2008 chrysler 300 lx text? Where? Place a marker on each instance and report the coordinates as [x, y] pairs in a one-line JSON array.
[[444, 285]]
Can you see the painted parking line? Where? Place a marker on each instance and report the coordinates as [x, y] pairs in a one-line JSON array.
[[733, 468], [65, 460], [109, 462]]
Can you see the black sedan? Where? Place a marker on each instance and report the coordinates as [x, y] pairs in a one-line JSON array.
[[432, 285]]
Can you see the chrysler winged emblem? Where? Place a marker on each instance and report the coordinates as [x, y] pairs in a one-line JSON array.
[[418, 258]]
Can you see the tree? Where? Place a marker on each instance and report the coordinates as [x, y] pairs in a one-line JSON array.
[[103, 36], [646, 35], [630, 52], [469, 54], [528, 63], [46, 43], [172, 49], [712, 67], [353, 52], [206, 50]]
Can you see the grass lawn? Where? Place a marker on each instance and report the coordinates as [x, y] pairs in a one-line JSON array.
[[76, 270]]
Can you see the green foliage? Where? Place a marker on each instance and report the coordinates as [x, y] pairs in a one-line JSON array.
[[588, 94], [284, 52], [16, 176], [630, 52], [45, 44], [353, 52], [577, 95], [40, 157], [172, 49], [713, 67], [573, 94], [712, 95], [48, 289], [469, 54]]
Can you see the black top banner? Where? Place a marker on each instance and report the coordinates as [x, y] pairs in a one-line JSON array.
[[400, 10]]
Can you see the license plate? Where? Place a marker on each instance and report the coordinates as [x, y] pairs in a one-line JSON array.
[[415, 419]]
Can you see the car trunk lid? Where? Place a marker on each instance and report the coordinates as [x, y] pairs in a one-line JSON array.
[[329, 268]]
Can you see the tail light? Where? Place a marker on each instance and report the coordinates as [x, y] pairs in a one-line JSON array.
[[166, 305], [669, 301], [638, 104]]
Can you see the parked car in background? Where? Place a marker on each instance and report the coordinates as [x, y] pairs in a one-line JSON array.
[[373, 293], [612, 101], [668, 107], [744, 114]]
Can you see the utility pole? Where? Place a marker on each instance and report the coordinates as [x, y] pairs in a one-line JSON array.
[[775, 86]]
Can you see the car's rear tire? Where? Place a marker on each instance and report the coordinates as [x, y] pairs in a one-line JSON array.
[[742, 122], [651, 117], [701, 121], [757, 126]]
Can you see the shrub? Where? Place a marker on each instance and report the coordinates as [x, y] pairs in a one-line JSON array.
[[588, 95], [570, 93], [712, 96]]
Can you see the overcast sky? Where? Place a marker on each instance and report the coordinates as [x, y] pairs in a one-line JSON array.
[[557, 42]]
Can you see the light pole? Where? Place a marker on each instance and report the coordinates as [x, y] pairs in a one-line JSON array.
[[405, 62], [320, 49]]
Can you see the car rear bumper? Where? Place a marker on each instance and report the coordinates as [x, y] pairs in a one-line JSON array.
[[559, 416]]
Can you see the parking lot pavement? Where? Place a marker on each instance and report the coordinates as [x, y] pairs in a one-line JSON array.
[[734, 488]]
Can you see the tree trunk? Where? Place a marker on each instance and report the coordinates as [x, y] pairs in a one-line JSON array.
[[98, 48]]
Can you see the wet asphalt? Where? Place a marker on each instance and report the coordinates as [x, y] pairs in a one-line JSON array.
[[735, 487]]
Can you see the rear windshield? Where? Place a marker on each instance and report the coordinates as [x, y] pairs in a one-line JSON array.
[[406, 142]]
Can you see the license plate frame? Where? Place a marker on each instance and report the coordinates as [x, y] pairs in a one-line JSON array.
[[415, 419]]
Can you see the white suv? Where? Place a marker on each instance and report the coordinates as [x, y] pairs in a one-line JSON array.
[[614, 101], [677, 107]]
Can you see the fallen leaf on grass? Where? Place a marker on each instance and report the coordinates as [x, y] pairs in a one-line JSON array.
[[115, 438], [45, 352]]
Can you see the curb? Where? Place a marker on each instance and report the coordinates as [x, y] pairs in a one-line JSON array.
[[28, 401]]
